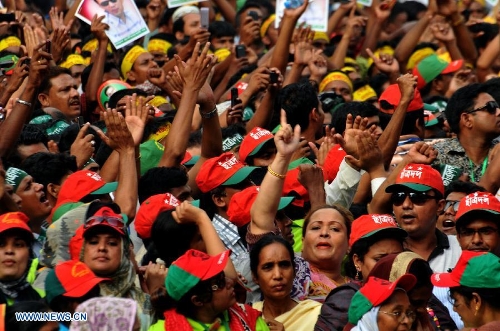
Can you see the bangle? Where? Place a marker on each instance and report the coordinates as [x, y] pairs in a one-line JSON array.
[[458, 22], [22, 102], [139, 157], [275, 174], [210, 114]]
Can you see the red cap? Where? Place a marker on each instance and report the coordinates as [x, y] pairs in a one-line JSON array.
[[76, 244], [81, 184], [221, 170], [477, 203], [253, 142], [392, 95], [149, 211], [368, 225], [106, 217], [332, 162], [14, 220], [418, 177], [241, 203], [292, 184]]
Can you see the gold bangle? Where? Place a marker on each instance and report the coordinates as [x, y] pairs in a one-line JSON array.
[[275, 174], [458, 22], [139, 157]]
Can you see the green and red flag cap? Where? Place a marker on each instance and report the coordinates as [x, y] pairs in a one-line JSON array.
[[477, 204], [366, 226], [190, 269], [418, 177], [433, 66], [473, 269], [253, 142], [374, 293]]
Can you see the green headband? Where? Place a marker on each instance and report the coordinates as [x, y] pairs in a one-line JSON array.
[[14, 176]]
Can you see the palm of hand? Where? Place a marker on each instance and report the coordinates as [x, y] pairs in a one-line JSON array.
[[350, 146], [136, 127], [303, 53]]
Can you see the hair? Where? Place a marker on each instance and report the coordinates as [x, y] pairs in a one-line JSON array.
[[397, 9], [377, 82], [30, 135], [463, 187], [61, 303], [108, 66], [488, 295], [54, 72], [160, 180], [411, 118], [298, 100], [47, 168], [178, 25], [69, 135], [264, 242], [219, 29], [345, 213], [492, 87], [194, 139], [206, 202], [248, 4], [11, 322], [413, 8], [421, 269], [167, 16], [363, 109], [461, 101]]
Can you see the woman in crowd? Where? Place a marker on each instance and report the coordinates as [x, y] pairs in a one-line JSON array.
[[382, 306], [272, 264], [108, 314], [372, 237], [475, 288], [16, 258]]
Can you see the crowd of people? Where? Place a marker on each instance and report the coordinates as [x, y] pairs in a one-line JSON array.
[[250, 175]]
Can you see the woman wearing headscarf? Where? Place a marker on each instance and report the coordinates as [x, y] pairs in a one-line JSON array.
[[108, 314]]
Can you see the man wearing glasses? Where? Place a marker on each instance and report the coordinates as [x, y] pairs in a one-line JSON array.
[[121, 21]]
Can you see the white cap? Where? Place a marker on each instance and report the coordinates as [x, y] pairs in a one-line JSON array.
[[183, 11]]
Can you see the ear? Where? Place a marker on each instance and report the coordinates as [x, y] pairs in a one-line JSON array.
[[357, 262], [44, 99], [314, 115], [466, 120], [219, 201], [179, 35], [130, 76], [440, 204], [53, 189], [196, 301]]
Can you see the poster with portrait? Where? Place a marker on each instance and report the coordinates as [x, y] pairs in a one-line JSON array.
[[178, 3], [316, 14], [124, 19]]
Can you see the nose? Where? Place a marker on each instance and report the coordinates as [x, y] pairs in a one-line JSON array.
[[39, 187], [74, 92], [476, 238], [407, 204], [450, 210], [277, 273]]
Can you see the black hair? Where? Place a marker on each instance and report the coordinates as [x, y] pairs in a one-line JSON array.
[[47, 168], [264, 242], [413, 8], [397, 9], [422, 271], [108, 66], [492, 87], [488, 295], [207, 203], [298, 99], [53, 72], [461, 101], [160, 180], [118, 95], [363, 109], [30, 135], [69, 134], [378, 81], [412, 117], [194, 138], [219, 29], [61, 303], [167, 15], [178, 25], [463, 187], [11, 322]]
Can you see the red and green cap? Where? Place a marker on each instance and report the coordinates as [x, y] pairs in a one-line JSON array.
[[432, 66], [473, 269], [418, 177], [374, 293], [71, 279], [82, 183], [478, 205], [392, 95], [149, 211], [366, 226], [190, 269], [253, 142]]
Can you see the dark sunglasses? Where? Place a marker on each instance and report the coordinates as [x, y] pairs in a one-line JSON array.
[[106, 2], [417, 198], [453, 203], [491, 107], [113, 221]]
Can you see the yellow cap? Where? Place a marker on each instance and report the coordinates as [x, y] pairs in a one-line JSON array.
[[418, 56], [266, 24], [129, 59], [92, 44], [10, 41], [72, 60], [158, 101], [364, 93], [333, 76], [159, 45]]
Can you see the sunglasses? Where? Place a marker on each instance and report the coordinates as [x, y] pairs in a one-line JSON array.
[[450, 203], [106, 2], [113, 221], [417, 198], [491, 107]]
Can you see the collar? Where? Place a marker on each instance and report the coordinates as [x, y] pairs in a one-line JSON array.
[[441, 244]]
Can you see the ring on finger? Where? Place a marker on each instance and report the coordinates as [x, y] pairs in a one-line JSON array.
[[92, 142]]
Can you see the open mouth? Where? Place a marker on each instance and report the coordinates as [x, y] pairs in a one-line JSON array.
[[323, 245], [74, 103], [448, 224], [43, 199]]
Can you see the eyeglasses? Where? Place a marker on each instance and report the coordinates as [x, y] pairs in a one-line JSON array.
[[113, 221], [491, 107], [453, 203], [486, 231], [220, 283], [417, 198], [106, 3], [400, 316]]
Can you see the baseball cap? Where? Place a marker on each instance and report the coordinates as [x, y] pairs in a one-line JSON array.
[[222, 170], [190, 269], [241, 203], [366, 226], [82, 183], [418, 56], [292, 186], [473, 269], [149, 211], [418, 177], [478, 204], [189, 159], [374, 293], [71, 279], [253, 142], [105, 217], [15, 220], [392, 95], [432, 66], [76, 243], [183, 11]]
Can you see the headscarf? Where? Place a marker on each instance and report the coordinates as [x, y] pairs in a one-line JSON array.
[[393, 266], [369, 321], [106, 314]]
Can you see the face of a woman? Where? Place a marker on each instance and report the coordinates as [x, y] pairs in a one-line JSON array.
[[392, 315], [102, 253], [14, 257], [466, 311], [275, 272], [223, 296], [325, 238], [376, 251]]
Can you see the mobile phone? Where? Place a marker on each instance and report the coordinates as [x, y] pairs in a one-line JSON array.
[[9, 17], [48, 46], [234, 97], [254, 15], [241, 51], [26, 61], [204, 17], [81, 121], [273, 77]]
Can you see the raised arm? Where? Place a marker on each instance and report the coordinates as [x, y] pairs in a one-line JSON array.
[[97, 72]]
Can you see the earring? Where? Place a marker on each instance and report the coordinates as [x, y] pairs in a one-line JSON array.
[[357, 273], [477, 309]]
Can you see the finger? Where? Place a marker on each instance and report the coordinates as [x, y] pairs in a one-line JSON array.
[[83, 131], [283, 120]]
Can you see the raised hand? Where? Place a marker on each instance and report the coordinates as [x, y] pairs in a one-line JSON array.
[[199, 36], [39, 65], [60, 40], [196, 72], [98, 28], [369, 155], [259, 82], [310, 176], [353, 128], [384, 62], [407, 85], [136, 114], [303, 45], [442, 32], [186, 213], [250, 31], [295, 13], [118, 136], [20, 72], [234, 114], [422, 153], [286, 139], [318, 65], [83, 147]]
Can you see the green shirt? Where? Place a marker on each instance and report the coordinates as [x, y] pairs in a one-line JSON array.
[[198, 326]]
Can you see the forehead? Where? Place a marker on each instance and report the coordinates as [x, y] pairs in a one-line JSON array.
[[62, 80], [455, 196], [481, 223], [482, 99], [337, 85], [144, 57], [327, 215], [191, 17], [255, 9]]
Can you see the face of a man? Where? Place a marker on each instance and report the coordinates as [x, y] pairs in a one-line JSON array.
[[114, 7], [191, 23], [76, 72], [63, 95], [222, 42], [139, 72], [480, 235], [483, 122]]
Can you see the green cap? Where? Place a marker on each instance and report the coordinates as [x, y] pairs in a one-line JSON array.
[[151, 152], [296, 163]]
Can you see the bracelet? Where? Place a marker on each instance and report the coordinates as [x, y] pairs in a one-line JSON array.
[[275, 174], [139, 157], [22, 102], [458, 22], [210, 114]]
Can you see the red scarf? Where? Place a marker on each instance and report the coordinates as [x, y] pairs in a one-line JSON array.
[[241, 318]]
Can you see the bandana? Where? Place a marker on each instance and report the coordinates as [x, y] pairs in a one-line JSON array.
[[364, 93], [159, 46], [73, 60], [14, 177], [266, 24], [129, 59], [336, 75], [10, 41]]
